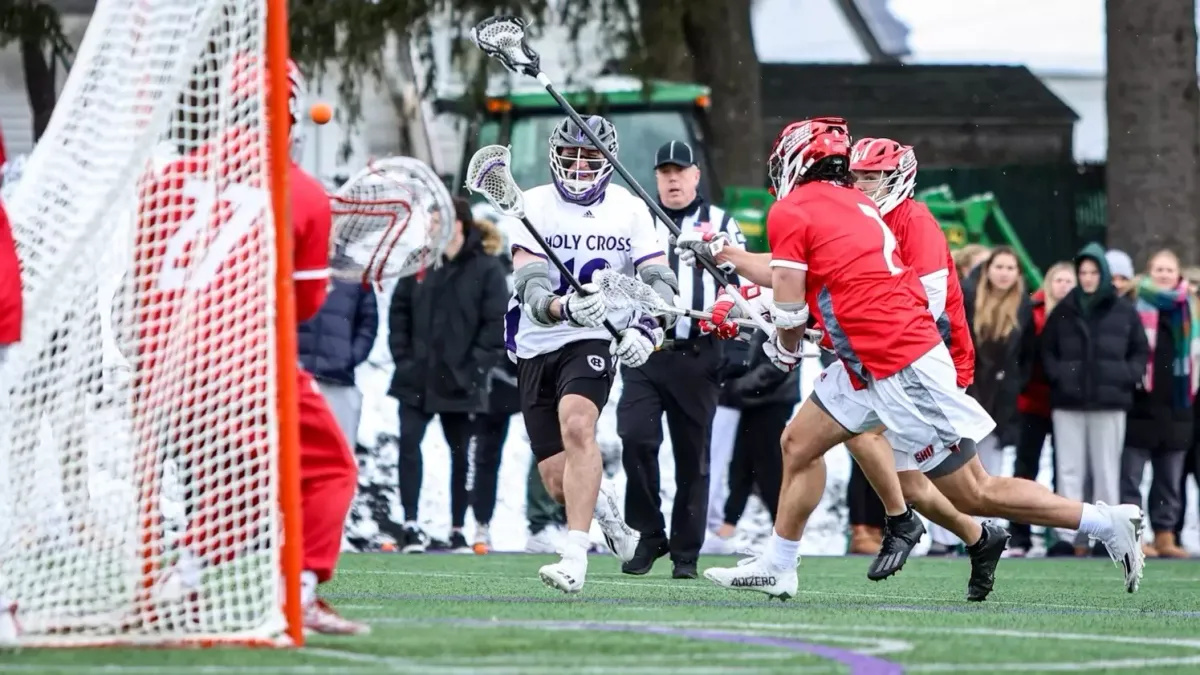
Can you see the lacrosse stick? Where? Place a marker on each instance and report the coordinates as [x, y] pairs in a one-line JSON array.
[[391, 220], [503, 38], [488, 174]]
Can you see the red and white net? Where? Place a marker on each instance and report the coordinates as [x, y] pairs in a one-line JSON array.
[[139, 444]]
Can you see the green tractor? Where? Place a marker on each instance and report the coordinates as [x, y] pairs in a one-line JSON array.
[[646, 116], [978, 220]]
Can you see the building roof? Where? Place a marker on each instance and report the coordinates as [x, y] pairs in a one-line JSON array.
[[910, 93]]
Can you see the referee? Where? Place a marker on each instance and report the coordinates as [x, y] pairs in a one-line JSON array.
[[682, 382]]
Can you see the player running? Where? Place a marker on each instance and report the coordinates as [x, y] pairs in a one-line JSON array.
[[196, 367], [957, 474], [565, 364]]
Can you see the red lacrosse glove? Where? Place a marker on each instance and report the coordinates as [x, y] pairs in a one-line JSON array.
[[725, 312]]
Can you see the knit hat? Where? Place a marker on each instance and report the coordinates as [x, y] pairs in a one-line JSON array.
[[1119, 263]]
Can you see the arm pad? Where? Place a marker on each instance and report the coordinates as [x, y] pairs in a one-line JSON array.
[[789, 315], [664, 282], [935, 289], [535, 292]]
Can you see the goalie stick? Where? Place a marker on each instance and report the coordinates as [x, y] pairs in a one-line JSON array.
[[488, 174], [503, 38]]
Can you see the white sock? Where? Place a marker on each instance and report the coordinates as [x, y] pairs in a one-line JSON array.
[[1094, 523], [308, 588], [576, 544], [782, 553], [410, 523]]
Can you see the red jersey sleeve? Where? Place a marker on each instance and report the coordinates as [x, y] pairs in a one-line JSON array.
[[921, 242], [313, 221], [787, 235], [10, 285]]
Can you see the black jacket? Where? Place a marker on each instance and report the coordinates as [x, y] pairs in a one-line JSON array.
[[1094, 350], [762, 383], [1154, 423], [447, 332], [998, 376], [339, 338]]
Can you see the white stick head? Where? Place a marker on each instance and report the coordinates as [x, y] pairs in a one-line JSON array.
[[488, 174], [503, 38], [625, 292], [392, 219]]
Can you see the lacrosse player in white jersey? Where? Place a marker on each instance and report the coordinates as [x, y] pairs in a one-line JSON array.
[[566, 359]]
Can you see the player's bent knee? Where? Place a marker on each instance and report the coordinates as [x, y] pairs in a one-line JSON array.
[[915, 487], [577, 420], [961, 488]]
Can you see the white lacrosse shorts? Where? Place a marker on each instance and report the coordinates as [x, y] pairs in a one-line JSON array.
[[922, 408]]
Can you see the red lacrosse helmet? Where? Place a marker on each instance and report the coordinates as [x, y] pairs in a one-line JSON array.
[[897, 165], [801, 145], [245, 83]]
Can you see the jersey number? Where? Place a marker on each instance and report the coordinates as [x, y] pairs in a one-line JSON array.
[[585, 273], [889, 239], [246, 204]]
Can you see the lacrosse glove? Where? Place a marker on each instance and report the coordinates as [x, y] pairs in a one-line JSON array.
[[638, 342], [708, 245], [585, 310]]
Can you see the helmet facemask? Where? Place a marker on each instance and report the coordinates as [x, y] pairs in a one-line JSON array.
[[580, 171]]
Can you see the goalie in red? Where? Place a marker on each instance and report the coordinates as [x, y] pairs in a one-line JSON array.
[[202, 331]]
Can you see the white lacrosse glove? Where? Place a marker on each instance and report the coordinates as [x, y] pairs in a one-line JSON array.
[[781, 358], [706, 244], [725, 312], [585, 310], [638, 342]]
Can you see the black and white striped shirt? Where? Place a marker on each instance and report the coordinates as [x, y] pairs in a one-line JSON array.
[[696, 286]]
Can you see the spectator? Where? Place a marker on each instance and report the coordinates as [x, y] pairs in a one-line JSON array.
[[766, 397], [335, 342], [1192, 461], [968, 258], [1120, 265], [1159, 427], [491, 426], [994, 308], [1094, 355], [1033, 405], [446, 333]]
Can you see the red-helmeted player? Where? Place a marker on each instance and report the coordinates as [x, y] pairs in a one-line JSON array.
[[201, 364], [955, 470]]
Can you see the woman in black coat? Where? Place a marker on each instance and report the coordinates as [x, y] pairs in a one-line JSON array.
[[446, 333]]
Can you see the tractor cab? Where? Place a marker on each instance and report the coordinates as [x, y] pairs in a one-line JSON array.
[[646, 115]]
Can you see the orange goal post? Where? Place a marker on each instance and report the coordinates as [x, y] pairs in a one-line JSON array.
[[149, 465]]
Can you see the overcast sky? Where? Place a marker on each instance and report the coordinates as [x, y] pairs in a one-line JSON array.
[[1047, 34]]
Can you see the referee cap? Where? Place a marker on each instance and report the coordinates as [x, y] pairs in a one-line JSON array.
[[678, 153]]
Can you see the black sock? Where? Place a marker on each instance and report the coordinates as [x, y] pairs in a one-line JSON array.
[[979, 544]]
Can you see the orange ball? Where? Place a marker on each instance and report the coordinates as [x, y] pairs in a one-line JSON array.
[[321, 113]]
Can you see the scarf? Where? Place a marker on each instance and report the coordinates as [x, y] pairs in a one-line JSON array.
[[1180, 310]]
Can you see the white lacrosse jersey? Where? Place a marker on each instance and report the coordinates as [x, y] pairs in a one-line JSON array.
[[616, 232]]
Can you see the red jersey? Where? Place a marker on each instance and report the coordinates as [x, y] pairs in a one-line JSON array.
[[923, 248], [203, 277], [872, 307], [10, 285]]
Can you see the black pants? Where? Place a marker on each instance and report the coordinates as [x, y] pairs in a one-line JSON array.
[[456, 427], [486, 447], [1033, 430], [1191, 467], [1165, 504], [757, 459], [683, 385], [865, 506]]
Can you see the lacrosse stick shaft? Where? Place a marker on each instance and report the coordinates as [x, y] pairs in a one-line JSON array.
[[563, 271], [708, 265]]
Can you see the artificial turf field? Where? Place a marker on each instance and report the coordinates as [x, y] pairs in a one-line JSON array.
[[449, 614]]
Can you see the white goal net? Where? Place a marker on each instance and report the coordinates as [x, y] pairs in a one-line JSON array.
[[138, 422]]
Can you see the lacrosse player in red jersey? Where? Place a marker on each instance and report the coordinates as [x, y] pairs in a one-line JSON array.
[[886, 175], [215, 196]]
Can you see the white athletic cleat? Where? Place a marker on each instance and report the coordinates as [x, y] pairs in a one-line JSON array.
[[621, 539], [756, 574], [567, 575], [322, 619], [1124, 544]]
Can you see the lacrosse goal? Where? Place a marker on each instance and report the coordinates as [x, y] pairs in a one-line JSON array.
[[149, 487]]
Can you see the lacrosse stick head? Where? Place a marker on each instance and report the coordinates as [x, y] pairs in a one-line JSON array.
[[503, 38], [622, 291], [488, 174], [391, 220]]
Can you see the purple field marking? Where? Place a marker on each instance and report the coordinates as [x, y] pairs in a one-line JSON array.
[[859, 664]]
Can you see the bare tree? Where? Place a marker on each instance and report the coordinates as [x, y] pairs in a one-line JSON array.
[[37, 28], [1153, 128]]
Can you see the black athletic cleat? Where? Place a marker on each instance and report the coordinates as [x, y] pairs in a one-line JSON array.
[[649, 549], [985, 555], [900, 537], [684, 569]]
